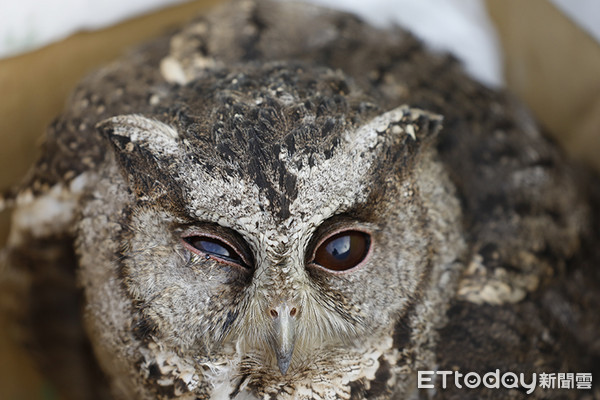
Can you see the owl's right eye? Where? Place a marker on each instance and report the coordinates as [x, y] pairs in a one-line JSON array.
[[343, 251], [216, 249]]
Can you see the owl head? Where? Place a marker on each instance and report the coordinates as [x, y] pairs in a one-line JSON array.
[[278, 215]]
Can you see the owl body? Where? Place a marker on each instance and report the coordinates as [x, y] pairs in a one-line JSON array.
[[280, 201]]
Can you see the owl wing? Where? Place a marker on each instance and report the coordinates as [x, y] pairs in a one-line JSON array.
[[529, 294], [38, 286], [528, 300]]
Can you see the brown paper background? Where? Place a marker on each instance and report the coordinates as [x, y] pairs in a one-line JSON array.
[[554, 67], [550, 64]]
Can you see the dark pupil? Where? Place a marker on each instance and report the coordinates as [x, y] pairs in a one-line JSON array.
[[343, 251]]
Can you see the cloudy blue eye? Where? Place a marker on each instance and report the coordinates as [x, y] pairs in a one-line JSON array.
[[210, 246], [343, 251]]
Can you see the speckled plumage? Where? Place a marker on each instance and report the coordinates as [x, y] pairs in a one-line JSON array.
[[273, 125]]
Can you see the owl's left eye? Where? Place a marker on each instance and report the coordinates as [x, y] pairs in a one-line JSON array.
[[215, 248]]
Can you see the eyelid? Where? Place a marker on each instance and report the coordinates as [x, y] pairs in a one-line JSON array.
[[241, 254]]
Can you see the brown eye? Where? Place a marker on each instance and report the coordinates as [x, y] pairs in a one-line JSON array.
[[343, 251], [214, 248]]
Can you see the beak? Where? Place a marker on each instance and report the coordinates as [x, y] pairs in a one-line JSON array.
[[284, 327]]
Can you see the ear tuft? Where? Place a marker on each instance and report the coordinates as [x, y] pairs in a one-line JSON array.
[[402, 126], [416, 124], [128, 131], [145, 150]]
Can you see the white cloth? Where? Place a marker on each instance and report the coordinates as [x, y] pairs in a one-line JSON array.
[[28, 24], [461, 27], [585, 13]]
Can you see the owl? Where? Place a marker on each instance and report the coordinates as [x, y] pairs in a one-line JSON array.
[[279, 201]]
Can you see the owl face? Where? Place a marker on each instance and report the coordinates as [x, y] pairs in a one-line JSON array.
[[280, 234]]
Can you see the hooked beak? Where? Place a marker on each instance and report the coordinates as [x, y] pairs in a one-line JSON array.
[[284, 326]]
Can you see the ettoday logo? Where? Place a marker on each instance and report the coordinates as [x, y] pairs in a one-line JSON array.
[[507, 380]]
